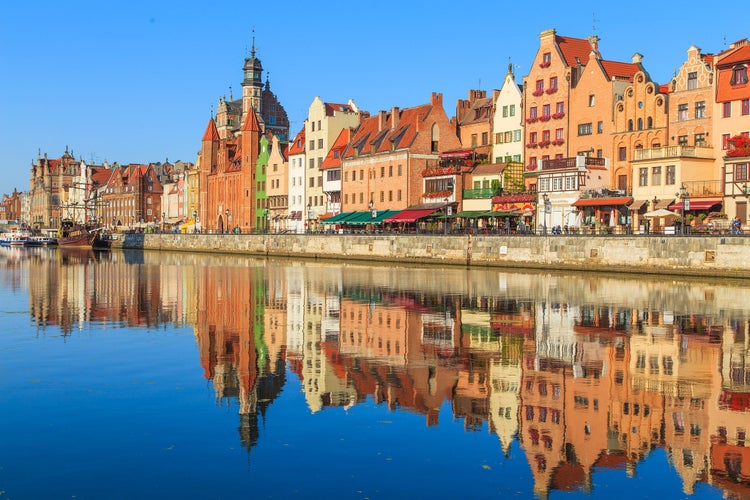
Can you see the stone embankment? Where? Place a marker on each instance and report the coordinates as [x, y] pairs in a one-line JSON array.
[[719, 256]]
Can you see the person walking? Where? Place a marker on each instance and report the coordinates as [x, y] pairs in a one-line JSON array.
[[736, 226]]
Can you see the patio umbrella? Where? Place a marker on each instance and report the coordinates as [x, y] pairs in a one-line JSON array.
[[662, 212]]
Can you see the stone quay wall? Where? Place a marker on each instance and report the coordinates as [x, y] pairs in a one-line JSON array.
[[712, 256]]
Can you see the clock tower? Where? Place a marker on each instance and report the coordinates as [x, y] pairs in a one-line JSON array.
[[252, 84]]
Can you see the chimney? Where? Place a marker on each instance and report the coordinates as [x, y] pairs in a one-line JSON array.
[[594, 41], [637, 58], [381, 120], [394, 116], [436, 99]]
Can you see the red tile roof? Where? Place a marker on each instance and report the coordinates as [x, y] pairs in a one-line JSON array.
[[251, 123], [211, 133], [368, 139], [739, 55], [298, 145], [336, 153], [615, 68], [573, 48], [331, 107]]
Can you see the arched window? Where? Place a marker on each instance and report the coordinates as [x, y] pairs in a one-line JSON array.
[[435, 137], [649, 122], [640, 123], [630, 125]]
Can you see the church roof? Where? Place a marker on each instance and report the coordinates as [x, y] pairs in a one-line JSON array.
[[251, 123]]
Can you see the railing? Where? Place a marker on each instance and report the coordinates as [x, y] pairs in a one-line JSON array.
[[478, 194], [672, 152], [700, 188], [572, 162]]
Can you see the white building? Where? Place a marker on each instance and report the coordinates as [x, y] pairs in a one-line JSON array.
[[508, 140]]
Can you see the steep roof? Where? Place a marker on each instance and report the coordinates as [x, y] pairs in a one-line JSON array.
[[740, 55], [573, 48], [479, 111], [337, 151], [211, 133], [369, 138], [298, 144], [621, 69], [251, 123]]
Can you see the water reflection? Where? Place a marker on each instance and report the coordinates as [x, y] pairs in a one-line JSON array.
[[586, 373]]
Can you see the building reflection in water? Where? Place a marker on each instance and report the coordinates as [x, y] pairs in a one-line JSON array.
[[584, 372]]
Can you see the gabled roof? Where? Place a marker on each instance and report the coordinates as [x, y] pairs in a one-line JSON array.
[[740, 55], [488, 169], [298, 144], [100, 175], [572, 48], [479, 111], [211, 133], [251, 123], [337, 151], [621, 69]]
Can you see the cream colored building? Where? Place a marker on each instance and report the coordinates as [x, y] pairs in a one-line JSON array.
[[508, 131]]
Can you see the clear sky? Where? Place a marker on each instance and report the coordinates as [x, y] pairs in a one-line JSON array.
[[136, 81]]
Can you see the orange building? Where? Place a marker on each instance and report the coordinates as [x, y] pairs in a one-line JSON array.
[[383, 164]]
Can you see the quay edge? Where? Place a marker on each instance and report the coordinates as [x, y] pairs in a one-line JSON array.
[[699, 256]]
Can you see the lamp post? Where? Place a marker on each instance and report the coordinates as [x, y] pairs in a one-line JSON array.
[[268, 221], [163, 221], [447, 213], [685, 197], [195, 221], [226, 228]]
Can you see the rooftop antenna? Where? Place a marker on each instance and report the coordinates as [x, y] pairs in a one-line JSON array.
[[230, 93]]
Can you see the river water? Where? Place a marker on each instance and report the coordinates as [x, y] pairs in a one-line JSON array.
[[156, 375]]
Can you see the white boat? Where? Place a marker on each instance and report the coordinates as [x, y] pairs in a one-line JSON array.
[[17, 238]]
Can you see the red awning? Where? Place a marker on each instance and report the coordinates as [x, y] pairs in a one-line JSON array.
[[464, 153], [702, 204], [410, 215], [598, 202]]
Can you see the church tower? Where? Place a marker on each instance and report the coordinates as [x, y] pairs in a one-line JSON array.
[[252, 84]]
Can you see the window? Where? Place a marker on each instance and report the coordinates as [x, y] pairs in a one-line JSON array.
[[700, 139], [505, 111], [740, 172], [545, 135], [320, 143], [630, 125], [484, 138], [398, 195], [592, 100], [643, 176], [649, 123], [532, 112], [545, 110], [512, 110], [623, 153], [390, 170], [640, 123], [553, 83], [724, 141], [700, 109], [539, 85], [584, 129], [354, 175], [400, 173], [382, 172], [670, 175], [547, 57], [473, 140], [560, 108], [745, 105], [739, 75], [517, 135], [682, 140], [312, 144], [508, 136], [499, 138], [656, 176], [682, 112], [312, 124], [692, 81], [726, 109], [599, 127], [559, 135], [532, 137]]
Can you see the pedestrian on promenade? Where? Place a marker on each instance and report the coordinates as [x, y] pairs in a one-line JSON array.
[[736, 226]]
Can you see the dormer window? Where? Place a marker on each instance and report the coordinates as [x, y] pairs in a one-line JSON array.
[[739, 75]]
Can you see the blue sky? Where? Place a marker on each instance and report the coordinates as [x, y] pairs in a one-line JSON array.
[[135, 81]]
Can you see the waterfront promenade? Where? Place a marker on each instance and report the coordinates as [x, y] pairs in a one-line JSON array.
[[707, 256]]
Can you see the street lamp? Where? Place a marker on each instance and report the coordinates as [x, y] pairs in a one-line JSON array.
[[195, 221], [268, 221], [226, 229], [685, 197], [448, 210], [163, 221]]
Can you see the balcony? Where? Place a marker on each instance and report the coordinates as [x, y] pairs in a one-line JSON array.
[[672, 152], [575, 162], [478, 194], [704, 188]]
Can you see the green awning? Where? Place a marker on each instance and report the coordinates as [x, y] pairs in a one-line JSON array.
[[337, 219], [365, 218], [471, 214]]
